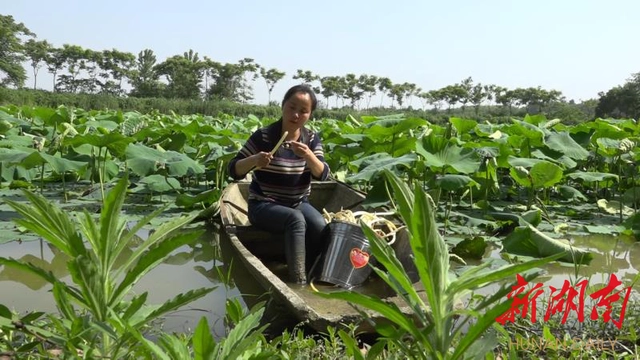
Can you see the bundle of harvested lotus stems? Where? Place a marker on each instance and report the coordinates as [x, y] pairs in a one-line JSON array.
[[382, 226]]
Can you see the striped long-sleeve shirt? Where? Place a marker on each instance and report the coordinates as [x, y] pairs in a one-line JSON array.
[[287, 179]]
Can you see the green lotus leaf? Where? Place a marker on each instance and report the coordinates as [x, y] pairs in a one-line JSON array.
[[462, 160], [372, 165], [563, 143], [529, 241], [453, 182], [545, 174], [592, 176], [463, 126]]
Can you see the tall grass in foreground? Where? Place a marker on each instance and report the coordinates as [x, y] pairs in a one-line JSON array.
[[99, 316], [438, 330]]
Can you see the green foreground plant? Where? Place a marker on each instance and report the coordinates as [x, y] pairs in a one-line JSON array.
[[98, 315], [437, 330]]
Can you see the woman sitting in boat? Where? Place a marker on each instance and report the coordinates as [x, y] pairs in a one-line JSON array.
[[281, 181]]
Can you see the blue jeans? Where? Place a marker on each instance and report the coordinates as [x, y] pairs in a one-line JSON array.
[[301, 225]]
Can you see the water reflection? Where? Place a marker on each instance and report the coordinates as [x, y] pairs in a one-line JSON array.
[[611, 255], [48, 258]]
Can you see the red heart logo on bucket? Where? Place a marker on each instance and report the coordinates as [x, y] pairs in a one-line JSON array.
[[358, 258]]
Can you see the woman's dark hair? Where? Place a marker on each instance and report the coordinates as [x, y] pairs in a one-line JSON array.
[[303, 89]]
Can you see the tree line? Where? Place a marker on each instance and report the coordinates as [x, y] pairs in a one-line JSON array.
[[621, 101], [78, 70]]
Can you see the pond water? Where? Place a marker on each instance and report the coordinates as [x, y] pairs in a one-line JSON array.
[[617, 255], [202, 263], [190, 267]]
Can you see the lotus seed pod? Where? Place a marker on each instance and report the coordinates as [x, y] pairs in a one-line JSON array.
[[38, 142], [626, 145]]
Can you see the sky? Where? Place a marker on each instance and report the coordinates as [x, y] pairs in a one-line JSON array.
[[579, 47]]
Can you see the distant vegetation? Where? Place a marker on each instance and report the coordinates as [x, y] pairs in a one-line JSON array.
[[189, 83]]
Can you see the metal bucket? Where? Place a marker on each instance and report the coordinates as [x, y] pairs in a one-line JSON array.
[[344, 261]]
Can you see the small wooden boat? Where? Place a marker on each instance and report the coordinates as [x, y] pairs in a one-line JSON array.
[[263, 256]]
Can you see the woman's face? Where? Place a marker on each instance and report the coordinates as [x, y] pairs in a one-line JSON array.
[[296, 111]]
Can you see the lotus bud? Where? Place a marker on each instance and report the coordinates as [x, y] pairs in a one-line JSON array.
[[353, 120], [69, 129], [551, 123], [521, 171], [5, 125]]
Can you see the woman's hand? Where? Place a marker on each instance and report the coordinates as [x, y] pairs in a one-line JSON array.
[[300, 149], [262, 159]]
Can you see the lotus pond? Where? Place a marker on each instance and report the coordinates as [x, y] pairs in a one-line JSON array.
[[505, 192]]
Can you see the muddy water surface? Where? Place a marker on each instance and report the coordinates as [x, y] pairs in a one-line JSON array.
[[189, 268]]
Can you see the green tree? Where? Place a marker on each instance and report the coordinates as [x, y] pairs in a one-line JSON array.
[[549, 97], [229, 82], [249, 74], [588, 108], [436, 98], [410, 90], [352, 90], [308, 78], [75, 60], [36, 52], [368, 85], [116, 66], [463, 91], [11, 51], [331, 86], [144, 77], [571, 112], [271, 77], [621, 101], [397, 93], [384, 86], [504, 97], [452, 94], [523, 97], [92, 62], [489, 91], [209, 69], [184, 75], [476, 96], [55, 62]]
